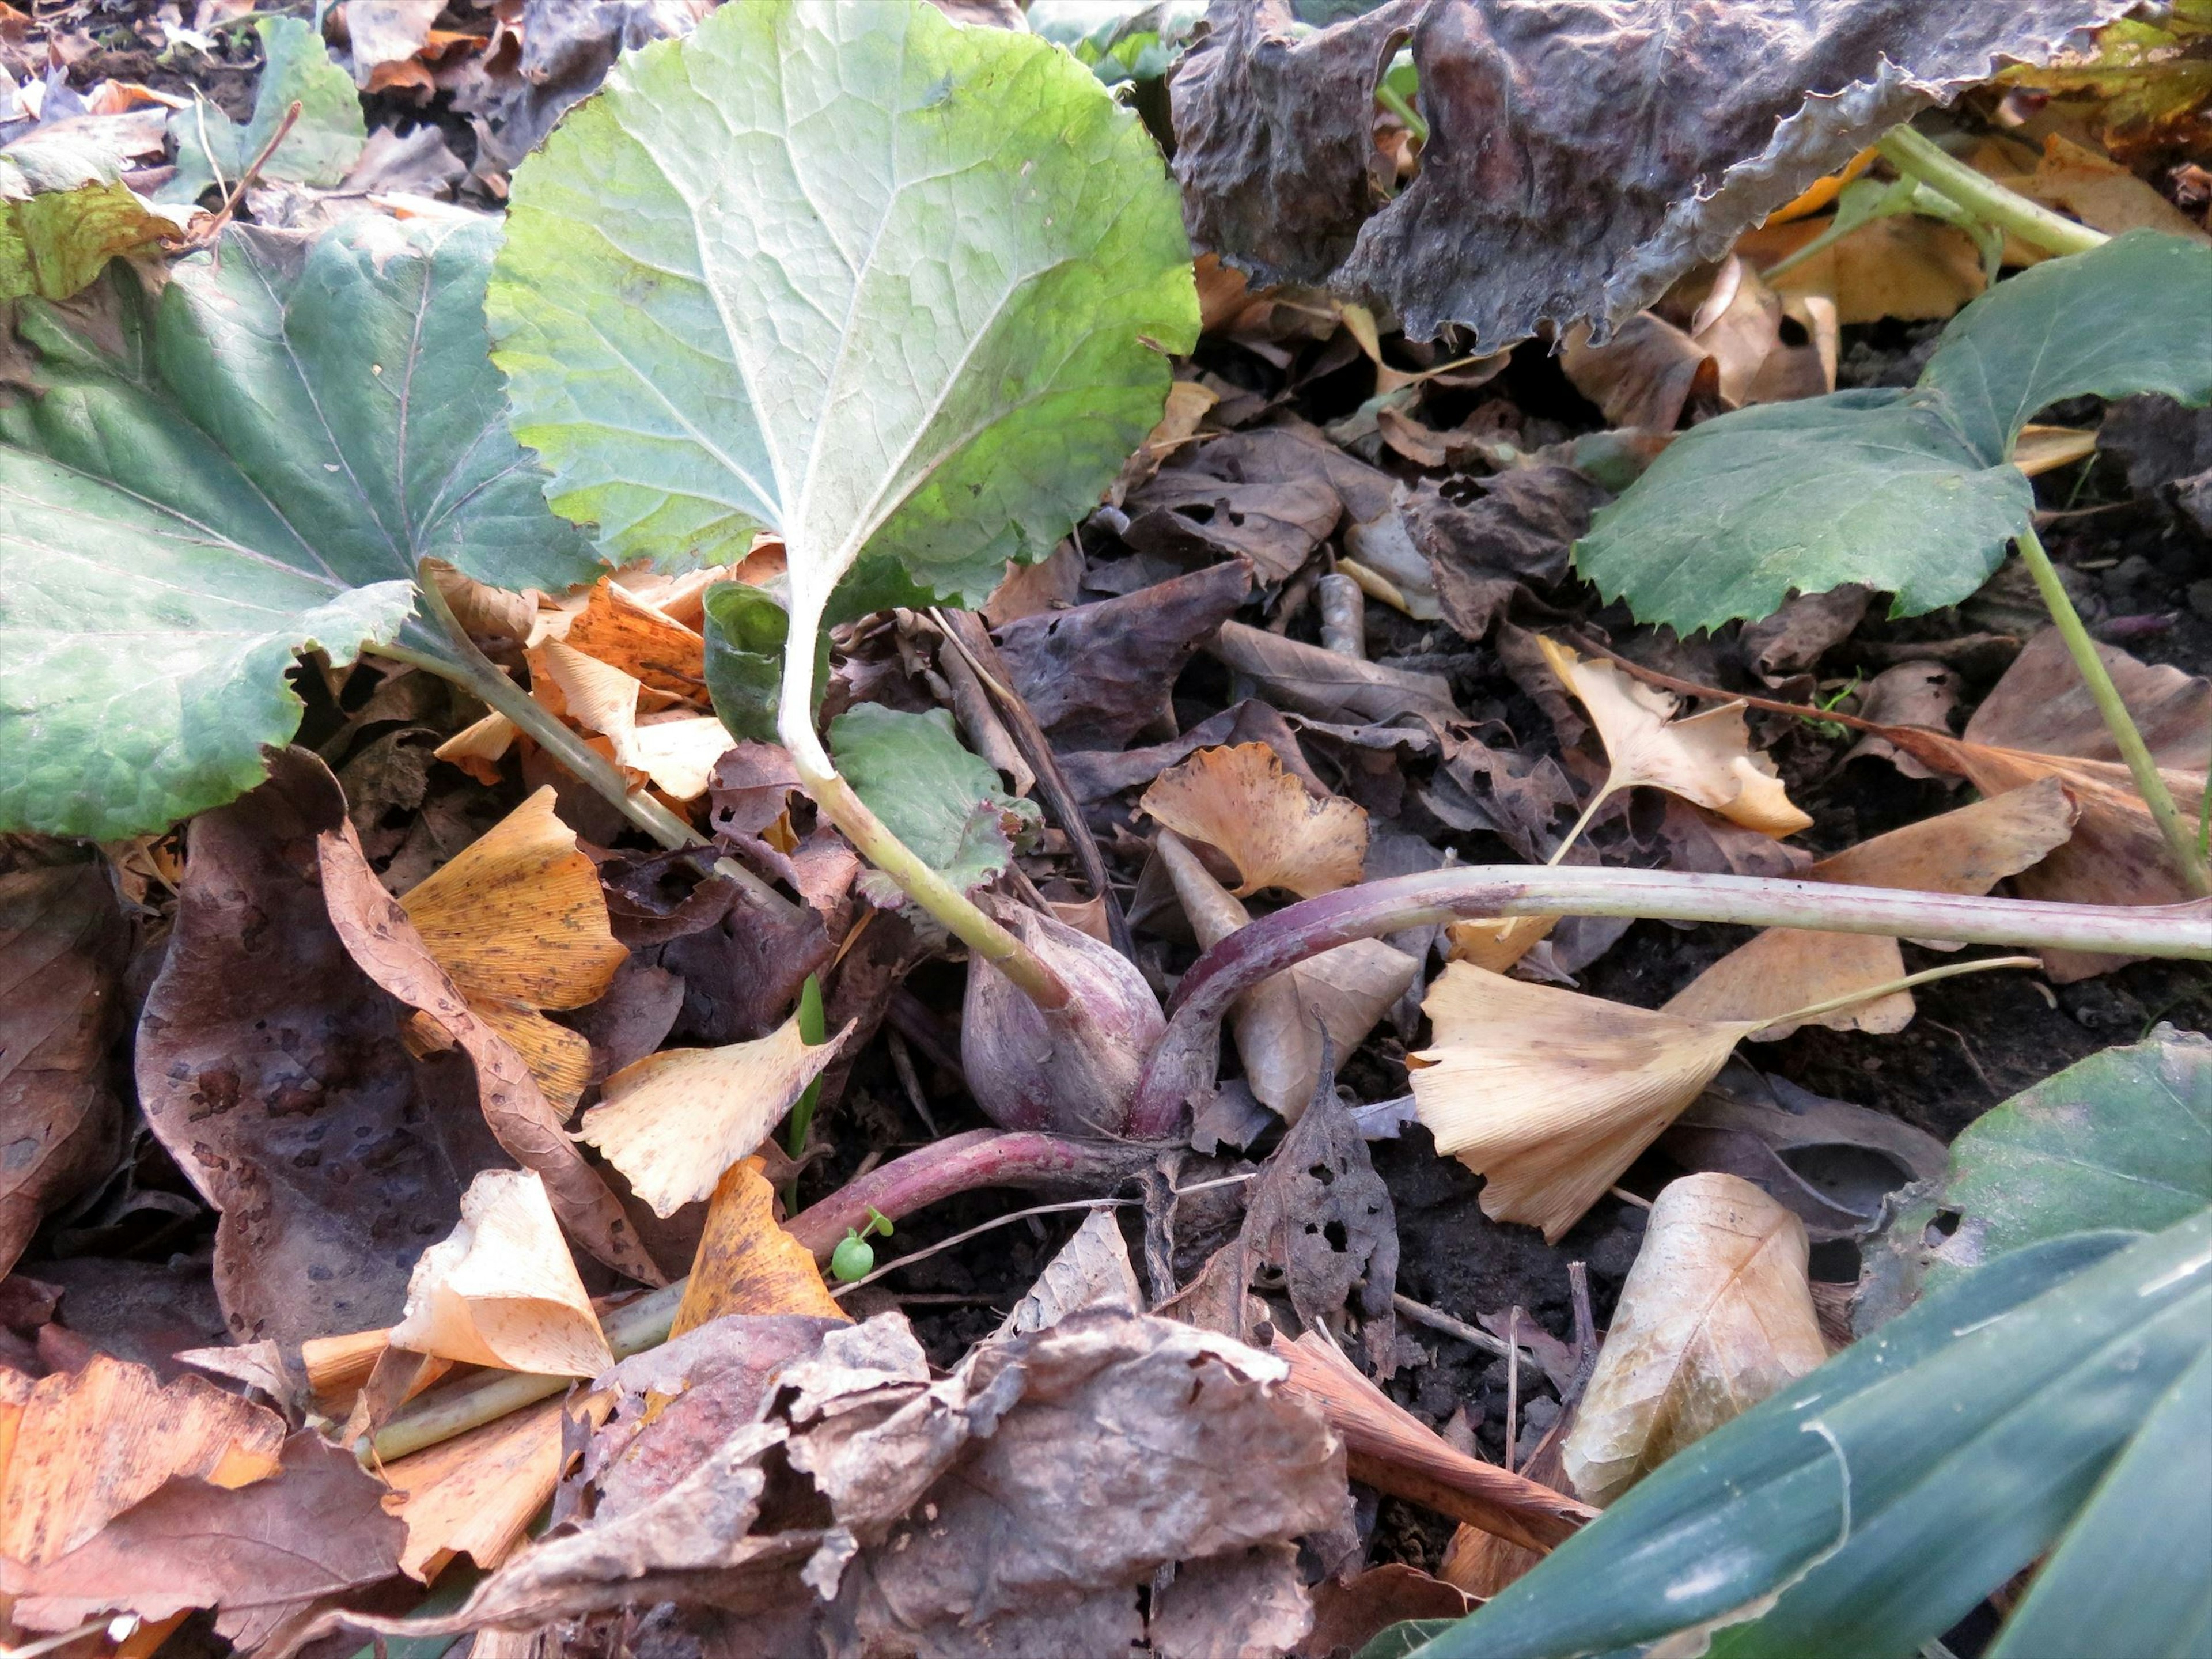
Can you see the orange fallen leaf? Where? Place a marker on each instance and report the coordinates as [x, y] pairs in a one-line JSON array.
[[474, 1495], [642, 640], [1272, 827], [501, 1288], [79, 1447], [518, 921], [677, 753], [747, 1263]]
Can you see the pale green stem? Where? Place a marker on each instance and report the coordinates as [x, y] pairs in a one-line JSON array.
[[841, 804], [1391, 101], [2144, 769], [1820, 245], [1918, 156]]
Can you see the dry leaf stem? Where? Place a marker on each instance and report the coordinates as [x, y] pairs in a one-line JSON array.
[[1918, 156]]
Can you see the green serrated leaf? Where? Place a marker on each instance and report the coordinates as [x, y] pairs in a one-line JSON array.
[[1910, 492], [205, 483], [745, 633], [1867, 1507], [897, 289], [323, 145], [935, 795], [64, 213], [2122, 1140]]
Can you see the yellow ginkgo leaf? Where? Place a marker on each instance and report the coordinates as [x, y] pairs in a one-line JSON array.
[[748, 1264], [675, 1121], [479, 749], [677, 753], [1550, 1094], [1279, 1023], [501, 1288], [616, 627], [1272, 827], [1706, 759], [519, 922]]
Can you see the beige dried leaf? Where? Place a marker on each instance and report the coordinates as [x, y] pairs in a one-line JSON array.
[[479, 749], [1277, 1024], [1706, 759], [1550, 1094], [474, 1495], [677, 754], [1716, 1315], [1275, 830], [1785, 969], [674, 1121], [501, 1288]]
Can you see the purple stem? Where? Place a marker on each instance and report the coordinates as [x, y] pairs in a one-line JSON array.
[[1183, 1066]]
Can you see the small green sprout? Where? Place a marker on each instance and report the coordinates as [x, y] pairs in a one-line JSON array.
[[854, 1258]]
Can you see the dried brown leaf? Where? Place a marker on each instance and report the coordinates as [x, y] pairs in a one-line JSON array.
[[747, 1263], [1276, 832], [475, 1494]]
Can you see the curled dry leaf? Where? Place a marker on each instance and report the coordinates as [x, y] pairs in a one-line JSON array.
[[380, 938], [518, 921], [79, 1447], [747, 1263], [1091, 1273], [677, 752], [1276, 831], [1552, 1095], [63, 942], [1967, 851], [474, 1495], [1715, 1315], [674, 1121], [1707, 758], [1282, 1024], [617, 628], [502, 1290]]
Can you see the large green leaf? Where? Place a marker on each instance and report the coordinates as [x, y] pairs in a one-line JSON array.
[[65, 212], [203, 485], [322, 144], [1866, 1508], [895, 288], [939, 798], [1906, 491]]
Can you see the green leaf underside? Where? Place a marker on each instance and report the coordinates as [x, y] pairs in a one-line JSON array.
[[1868, 1506], [203, 485], [320, 150], [65, 212], [2122, 1140], [938, 797], [1910, 492], [851, 273]]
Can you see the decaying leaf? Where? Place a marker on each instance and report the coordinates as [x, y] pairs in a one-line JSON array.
[[378, 936], [262, 1047], [62, 942], [474, 1495], [1550, 1094], [1716, 1315], [78, 1449], [1091, 1272], [1282, 1024], [517, 921], [1966, 851], [1707, 758], [675, 1121], [1534, 202], [65, 212], [502, 1290], [1276, 832], [747, 1263]]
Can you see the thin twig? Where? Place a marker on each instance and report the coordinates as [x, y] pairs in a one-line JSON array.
[[1691, 689], [961, 1238], [1437, 1320], [903, 1063], [1512, 1382], [204, 237]]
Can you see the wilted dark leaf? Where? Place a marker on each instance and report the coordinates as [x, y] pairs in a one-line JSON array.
[[1488, 551]]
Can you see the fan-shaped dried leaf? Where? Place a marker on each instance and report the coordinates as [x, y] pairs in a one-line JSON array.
[[519, 922], [502, 1289], [1275, 830], [79, 1447], [1535, 200], [674, 1121], [677, 753], [1783, 969], [747, 1263], [643, 641], [1552, 1095], [1716, 1315], [474, 1495], [1707, 758]]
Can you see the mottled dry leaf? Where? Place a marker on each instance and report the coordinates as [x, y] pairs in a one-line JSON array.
[[677, 753], [1089, 1273], [1535, 201], [747, 1263], [674, 1121], [1783, 969], [1715, 1315], [63, 944], [1327, 685], [1550, 1094], [262, 1048], [1279, 1023], [79, 1447], [257, 1555], [1276, 832], [517, 921], [641, 639], [474, 1495], [502, 1290], [380, 938], [1707, 758]]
